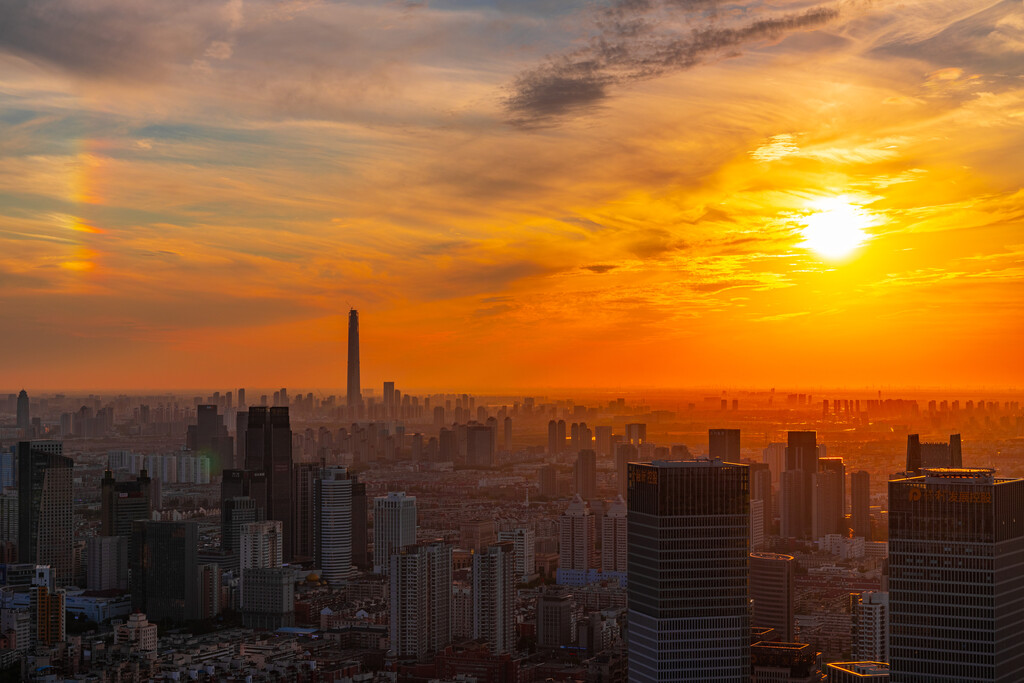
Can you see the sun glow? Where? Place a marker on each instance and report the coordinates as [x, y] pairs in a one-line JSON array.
[[836, 227]]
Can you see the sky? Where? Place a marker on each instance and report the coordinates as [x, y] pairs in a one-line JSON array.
[[515, 194]]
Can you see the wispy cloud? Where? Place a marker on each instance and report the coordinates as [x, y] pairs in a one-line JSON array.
[[633, 46]]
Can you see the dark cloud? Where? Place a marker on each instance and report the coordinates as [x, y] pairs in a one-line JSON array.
[[111, 39], [632, 46], [600, 268]]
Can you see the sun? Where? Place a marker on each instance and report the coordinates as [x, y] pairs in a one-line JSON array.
[[836, 227]]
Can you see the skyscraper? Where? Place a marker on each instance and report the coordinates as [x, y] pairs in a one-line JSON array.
[[164, 568], [931, 455], [796, 503], [724, 444], [209, 437], [839, 467], [24, 416], [688, 568], [360, 535], [792, 512], [268, 449], [421, 599], [494, 597], [585, 471], [479, 446], [860, 504], [234, 514], [45, 520], [304, 482], [355, 395], [956, 545], [547, 481], [123, 502], [241, 425], [826, 504], [333, 503], [772, 591], [394, 527]]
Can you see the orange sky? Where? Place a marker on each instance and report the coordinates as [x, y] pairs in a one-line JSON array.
[[514, 194]]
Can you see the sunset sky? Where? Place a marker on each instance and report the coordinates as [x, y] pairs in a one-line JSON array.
[[514, 193]]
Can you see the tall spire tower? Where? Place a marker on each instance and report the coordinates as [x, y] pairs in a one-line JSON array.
[[355, 397]]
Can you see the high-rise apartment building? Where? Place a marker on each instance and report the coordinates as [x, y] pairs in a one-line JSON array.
[[421, 599], [333, 501], [261, 545], [860, 504], [688, 542], [268, 598], [870, 616], [772, 592], [524, 540], [45, 502], [956, 590], [585, 472], [394, 527], [268, 449], [577, 547], [614, 546], [106, 563], [47, 615], [494, 597], [354, 397], [209, 590], [123, 502]]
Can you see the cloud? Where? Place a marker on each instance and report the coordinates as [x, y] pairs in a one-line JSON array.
[[633, 46], [600, 268], [112, 38]]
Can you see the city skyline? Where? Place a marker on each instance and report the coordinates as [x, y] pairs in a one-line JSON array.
[[507, 205]]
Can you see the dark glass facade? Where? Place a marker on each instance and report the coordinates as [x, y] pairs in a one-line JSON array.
[[956, 586], [688, 539]]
